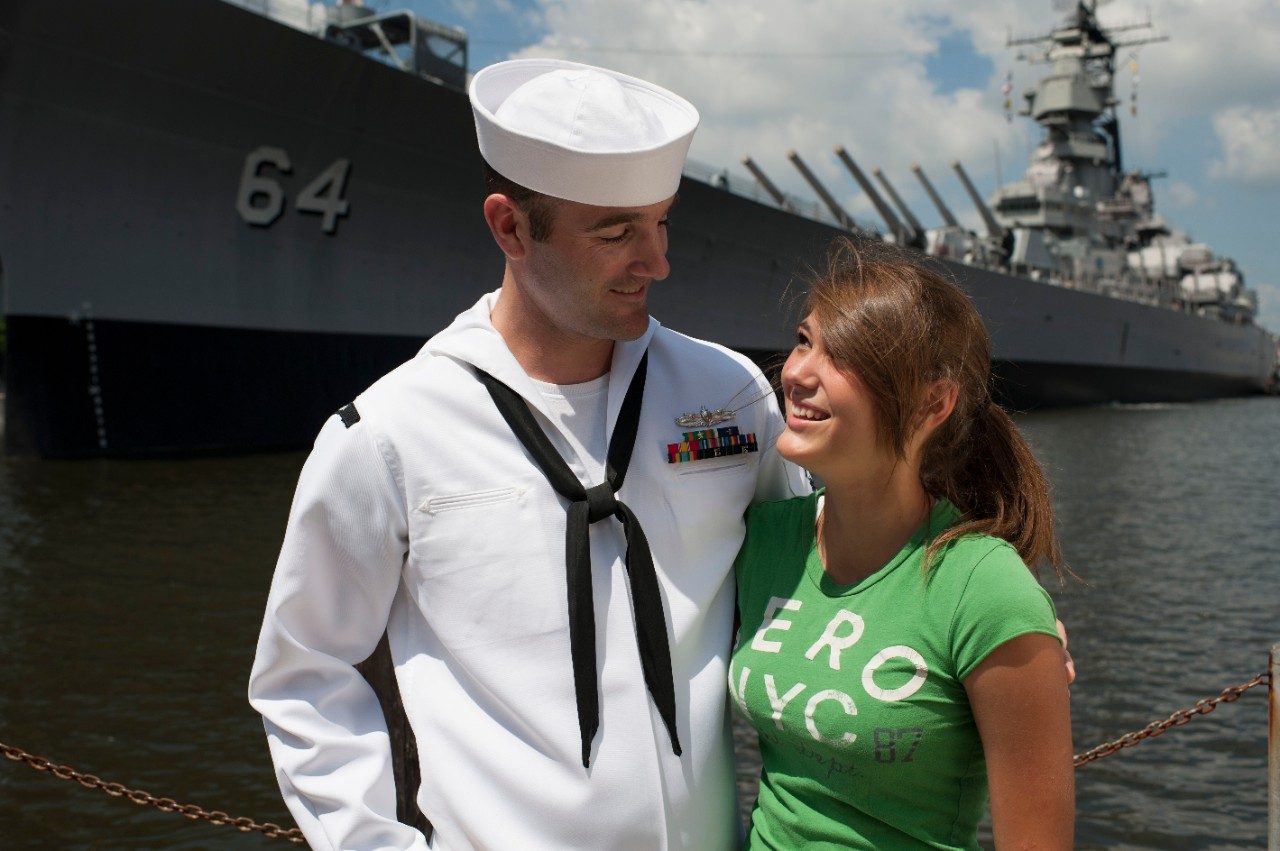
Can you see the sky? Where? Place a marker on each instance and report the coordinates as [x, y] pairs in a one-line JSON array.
[[898, 82]]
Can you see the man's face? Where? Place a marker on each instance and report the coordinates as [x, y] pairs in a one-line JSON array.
[[591, 277]]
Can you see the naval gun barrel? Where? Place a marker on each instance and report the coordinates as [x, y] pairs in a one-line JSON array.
[[915, 230], [842, 217], [994, 230], [895, 227], [764, 181], [947, 219]]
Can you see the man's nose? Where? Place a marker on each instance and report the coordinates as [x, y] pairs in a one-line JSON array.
[[651, 261]]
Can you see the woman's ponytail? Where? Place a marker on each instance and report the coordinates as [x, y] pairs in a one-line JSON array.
[[995, 479]]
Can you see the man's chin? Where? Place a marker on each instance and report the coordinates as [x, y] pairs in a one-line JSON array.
[[631, 327]]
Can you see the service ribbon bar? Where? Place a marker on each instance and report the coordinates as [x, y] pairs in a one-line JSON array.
[[711, 443]]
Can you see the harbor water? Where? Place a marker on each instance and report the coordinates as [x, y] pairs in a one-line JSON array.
[[131, 593]]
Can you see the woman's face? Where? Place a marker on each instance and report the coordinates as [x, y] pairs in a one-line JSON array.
[[831, 427]]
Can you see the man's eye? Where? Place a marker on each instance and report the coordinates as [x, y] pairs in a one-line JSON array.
[[617, 237]]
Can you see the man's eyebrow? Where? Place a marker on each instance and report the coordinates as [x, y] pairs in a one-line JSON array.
[[613, 220], [627, 217]]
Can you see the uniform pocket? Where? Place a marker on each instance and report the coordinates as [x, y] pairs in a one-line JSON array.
[[464, 501], [710, 468], [481, 567]]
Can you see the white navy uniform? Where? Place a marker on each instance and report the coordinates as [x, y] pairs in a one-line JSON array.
[[427, 516]]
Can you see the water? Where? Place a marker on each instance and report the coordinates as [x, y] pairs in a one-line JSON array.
[[131, 592]]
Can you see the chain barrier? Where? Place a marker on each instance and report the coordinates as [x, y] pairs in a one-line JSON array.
[[274, 831], [146, 799], [1202, 707]]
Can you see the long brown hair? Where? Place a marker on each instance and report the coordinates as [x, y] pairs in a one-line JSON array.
[[900, 325]]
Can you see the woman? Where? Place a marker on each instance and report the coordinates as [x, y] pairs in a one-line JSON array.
[[896, 654]]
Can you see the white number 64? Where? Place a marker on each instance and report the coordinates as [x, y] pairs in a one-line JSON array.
[[260, 200]]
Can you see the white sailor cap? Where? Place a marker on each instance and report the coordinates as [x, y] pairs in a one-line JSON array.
[[581, 133]]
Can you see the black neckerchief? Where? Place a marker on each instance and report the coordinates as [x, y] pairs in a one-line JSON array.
[[587, 506]]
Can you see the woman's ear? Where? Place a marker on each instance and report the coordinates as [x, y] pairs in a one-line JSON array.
[[939, 401]]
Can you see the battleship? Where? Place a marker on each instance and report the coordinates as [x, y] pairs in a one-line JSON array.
[[222, 219]]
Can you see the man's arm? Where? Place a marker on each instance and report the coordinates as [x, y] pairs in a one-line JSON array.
[[338, 571]]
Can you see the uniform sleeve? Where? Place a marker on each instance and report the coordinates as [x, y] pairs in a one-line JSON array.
[[337, 574], [1000, 601], [778, 478]]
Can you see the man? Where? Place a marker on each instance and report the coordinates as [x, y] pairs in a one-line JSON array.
[[548, 551]]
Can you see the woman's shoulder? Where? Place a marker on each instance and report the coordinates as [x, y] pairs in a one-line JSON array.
[[782, 510], [977, 561]]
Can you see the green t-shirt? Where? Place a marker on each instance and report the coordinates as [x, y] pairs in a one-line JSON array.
[[857, 691]]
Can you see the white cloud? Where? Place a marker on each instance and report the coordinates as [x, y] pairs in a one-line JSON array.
[[1182, 195], [813, 74], [1248, 137], [806, 75]]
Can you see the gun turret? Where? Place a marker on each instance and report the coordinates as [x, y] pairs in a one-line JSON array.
[[845, 220], [915, 230], [767, 184], [994, 230], [895, 227], [947, 219]]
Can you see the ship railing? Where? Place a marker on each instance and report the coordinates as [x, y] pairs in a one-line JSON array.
[[747, 187], [378, 671]]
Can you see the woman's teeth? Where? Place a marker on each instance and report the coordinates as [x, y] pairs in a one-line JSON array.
[[807, 413]]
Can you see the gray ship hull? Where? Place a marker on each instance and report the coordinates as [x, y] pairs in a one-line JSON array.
[[146, 315]]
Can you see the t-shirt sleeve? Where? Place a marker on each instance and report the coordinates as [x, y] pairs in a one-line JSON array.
[[1001, 600], [743, 564]]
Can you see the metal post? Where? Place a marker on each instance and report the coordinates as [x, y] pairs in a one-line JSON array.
[[947, 219], [994, 230], [1273, 752], [842, 218], [764, 181], [895, 226]]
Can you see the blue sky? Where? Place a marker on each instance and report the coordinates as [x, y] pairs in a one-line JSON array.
[[919, 81]]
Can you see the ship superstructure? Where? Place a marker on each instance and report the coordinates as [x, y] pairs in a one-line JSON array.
[[1078, 218], [222, 219]]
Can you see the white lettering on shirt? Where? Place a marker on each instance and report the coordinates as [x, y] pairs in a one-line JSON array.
[[780, 703], [740, 693], [770, 622], [849, 709], [902, 692], [830, 639]]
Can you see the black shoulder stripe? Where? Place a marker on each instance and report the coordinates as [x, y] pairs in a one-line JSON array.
[[349, 415]]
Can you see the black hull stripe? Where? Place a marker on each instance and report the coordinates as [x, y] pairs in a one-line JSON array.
[[171, 389]]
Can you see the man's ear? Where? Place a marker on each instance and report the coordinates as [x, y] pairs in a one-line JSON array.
[[508, 224]]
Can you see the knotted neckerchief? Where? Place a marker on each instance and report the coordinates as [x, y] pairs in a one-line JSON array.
[[587, 506]]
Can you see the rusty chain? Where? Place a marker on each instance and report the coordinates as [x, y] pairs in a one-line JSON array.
[[145, 799], [274, 831], [1202, 707]]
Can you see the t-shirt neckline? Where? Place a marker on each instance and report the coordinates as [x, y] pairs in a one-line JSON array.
[[942, 515]]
